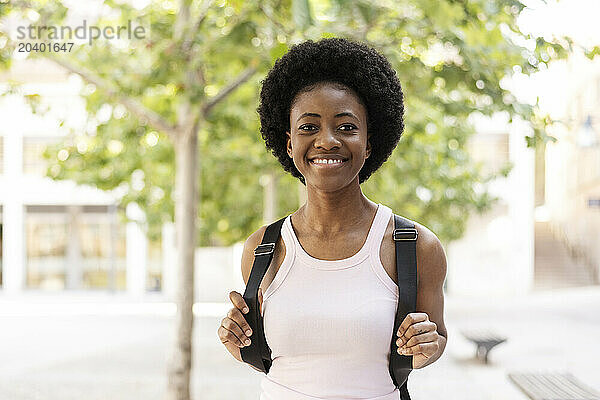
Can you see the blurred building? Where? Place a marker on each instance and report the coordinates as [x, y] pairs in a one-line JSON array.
[[572, 169], [59, 236], [544, 232], [496, 254], [55, 234]]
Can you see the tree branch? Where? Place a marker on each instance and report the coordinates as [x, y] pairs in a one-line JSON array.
[[134, 106], [243, 77], [187, 43], [182, 20]]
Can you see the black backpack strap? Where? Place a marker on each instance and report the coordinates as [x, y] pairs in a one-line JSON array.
[[404, 391], [258, 352], [405, 239]]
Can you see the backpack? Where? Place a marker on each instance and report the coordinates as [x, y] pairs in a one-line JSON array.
[[405, 235]]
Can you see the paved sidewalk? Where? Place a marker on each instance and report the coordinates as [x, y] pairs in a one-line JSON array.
[[95, 346]]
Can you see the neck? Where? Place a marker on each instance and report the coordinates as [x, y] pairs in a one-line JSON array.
[[331, 212]]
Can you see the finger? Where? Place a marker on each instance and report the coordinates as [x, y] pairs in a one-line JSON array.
[[260, 300], [417, 329], [427, 349], [236, 323], [235, 332], [238, 301], [228, 337], [236, 315], [422, 338], [410, 319], [414, 330]]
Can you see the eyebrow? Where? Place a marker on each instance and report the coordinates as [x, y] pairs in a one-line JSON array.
[[342, 114]]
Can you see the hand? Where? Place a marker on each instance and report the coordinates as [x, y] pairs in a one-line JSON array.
[[234, 331], [418, 336]]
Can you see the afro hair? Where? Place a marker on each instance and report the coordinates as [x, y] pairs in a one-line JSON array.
[[337, 60]]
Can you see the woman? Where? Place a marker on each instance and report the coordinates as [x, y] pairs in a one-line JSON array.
[[332, 112]]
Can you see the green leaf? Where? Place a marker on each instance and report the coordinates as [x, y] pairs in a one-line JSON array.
[[278, 51], [592, 53]]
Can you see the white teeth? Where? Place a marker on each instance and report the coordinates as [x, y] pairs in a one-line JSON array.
[[324, 161]]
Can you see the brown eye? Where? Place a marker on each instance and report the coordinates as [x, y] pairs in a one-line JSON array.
[[304, 128], [348, 127]]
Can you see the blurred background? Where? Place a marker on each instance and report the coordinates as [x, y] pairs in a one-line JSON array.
[[500, 158]]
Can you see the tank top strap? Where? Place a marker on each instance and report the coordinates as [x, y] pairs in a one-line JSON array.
[[377, 231]]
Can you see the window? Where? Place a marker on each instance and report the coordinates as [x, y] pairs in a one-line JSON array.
[[75, 247], [102, 241], [46, 241]]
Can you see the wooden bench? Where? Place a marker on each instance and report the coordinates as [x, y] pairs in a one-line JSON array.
[[485, 341], [552, 386]]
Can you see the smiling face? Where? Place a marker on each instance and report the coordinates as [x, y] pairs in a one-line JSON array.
[[328, 139]]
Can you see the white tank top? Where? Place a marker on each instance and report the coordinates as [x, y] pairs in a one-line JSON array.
[[329, 324]]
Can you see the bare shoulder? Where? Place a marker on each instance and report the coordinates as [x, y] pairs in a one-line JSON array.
[[248, 255], [248, 252], [431, 257]]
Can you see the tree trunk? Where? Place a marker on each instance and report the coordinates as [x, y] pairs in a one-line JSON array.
[[270, 198], [186, 154]]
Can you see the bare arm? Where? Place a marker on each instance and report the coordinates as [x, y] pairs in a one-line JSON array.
[[233, 330], [423, 334]]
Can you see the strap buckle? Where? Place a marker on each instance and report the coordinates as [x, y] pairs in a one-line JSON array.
[[264, 248], [405, 234]]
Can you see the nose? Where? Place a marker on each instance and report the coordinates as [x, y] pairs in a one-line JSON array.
[[326, 139]]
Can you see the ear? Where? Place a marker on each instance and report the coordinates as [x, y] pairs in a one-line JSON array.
[[288, 144], [368, 153]]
